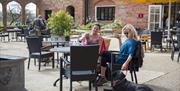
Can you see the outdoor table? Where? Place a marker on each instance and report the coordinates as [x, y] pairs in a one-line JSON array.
[[14, 32], [61, 50], [57, 42], [64, 50]]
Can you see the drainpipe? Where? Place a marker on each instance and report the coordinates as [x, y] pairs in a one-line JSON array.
[[4, 4], [86, 2], [23, 14], [169, 19]]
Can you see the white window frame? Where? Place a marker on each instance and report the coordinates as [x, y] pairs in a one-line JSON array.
[[160, 16], [103, 6]]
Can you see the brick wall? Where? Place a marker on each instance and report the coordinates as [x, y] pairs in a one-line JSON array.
[[57, 4], [126, 11]]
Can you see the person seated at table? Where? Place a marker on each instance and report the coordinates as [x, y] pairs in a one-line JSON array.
[[127, 50], [92, 38]]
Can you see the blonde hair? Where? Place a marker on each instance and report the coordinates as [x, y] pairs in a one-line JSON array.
[[132, 33]]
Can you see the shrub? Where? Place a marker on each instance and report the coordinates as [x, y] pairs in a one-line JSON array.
[[60, 23], [117, 24], [87, 26]]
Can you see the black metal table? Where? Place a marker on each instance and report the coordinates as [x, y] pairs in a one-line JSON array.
[[65, 50]]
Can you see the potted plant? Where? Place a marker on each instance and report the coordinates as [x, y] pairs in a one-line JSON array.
[[114, 26], [60, 23], [67, 35]]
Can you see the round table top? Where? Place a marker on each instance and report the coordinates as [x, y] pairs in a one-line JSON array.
[[55, 41], [61, 49]]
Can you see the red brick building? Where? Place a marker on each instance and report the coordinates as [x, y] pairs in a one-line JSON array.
[[104, 11], [101, 10]]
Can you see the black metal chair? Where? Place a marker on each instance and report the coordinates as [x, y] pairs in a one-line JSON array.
[[46, 34], [3, 35], [134, 65], [24, 32], [178, 46], [115, 66], [156, 39], [35, 50], [82, 65], [174, 46]]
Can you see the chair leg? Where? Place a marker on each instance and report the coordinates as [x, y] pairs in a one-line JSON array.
[[178, 56], [89, 85], [61, 80], [21, 38], [16, 38], [35, 61], [54, 84], [39, 63], [131, 76], [172, 55], [53, 61], [135, 77], [161, 48], [151, 47], [96, 88], [70, 85], [4, 39], [29, 62]]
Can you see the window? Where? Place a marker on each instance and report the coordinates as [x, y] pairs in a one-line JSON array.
[[155, 14], [105, 13]]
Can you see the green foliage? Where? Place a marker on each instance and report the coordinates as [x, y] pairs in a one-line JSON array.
[[87, 26], [1, 29], [23, 26], [1, 24], [117, 24], [60, 23]]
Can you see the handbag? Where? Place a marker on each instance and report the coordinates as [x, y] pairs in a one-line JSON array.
[[103, 47]]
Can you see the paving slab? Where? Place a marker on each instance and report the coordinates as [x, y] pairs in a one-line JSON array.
[[158, 72]]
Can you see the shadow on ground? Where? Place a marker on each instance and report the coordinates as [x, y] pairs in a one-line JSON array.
[[157, 88]]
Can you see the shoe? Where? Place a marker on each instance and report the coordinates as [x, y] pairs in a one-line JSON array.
[[101, 81]]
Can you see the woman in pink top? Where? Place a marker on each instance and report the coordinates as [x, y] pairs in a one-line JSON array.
[[93, 37]]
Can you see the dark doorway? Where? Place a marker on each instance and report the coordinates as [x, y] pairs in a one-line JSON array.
[[70, 10], [47, 13]]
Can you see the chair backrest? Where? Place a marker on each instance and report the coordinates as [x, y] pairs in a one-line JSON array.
[[144, 37], [34, 44], [84, 57], [137, 60], [135, 63], [156, 38], [26, 32], [178, 41], [172, 40]]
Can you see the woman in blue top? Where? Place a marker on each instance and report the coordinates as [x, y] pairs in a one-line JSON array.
[[127, 50]]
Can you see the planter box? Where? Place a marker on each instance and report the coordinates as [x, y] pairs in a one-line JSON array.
[[12, 73], [116, 30]]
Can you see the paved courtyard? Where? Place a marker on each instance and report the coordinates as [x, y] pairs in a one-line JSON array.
[[158, 72]]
